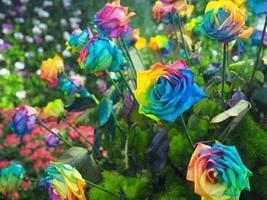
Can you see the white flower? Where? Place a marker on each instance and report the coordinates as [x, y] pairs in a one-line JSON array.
[[74, 25], [4, 72], [42, 26], [1, 42], [7, 2], [40, 50], [19, 20], [66, 54], [18, 36], [43, 13], [63, 22], [36, 22], [66, 35], [2, 16], [28, 54], [47, 3], [19, 65], [38, 72], [49, 38], [58, 47], [29, 39], [36, 30], [77, 12], [75, 20], [2, 58], [21, 94]]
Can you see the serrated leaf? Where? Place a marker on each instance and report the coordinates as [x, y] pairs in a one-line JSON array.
[[157, 151], [84, 162], [232, 112], [80, 104], [104, 111]]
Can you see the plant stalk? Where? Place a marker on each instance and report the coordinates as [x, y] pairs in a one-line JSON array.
[[187, 133], [225, 58]]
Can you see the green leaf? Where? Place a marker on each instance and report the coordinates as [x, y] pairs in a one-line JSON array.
[[104, 111], [259, 76], [84, 162]]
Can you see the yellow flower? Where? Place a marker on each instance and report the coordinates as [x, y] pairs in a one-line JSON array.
[[54, 109], [50, 70], [140, 43]]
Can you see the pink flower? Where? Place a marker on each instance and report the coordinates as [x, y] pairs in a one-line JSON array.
[[11, 140], [113, 19]]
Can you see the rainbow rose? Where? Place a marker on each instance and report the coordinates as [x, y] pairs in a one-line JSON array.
[[160, 44], [78, 39], [164, 8], [51, 69], [54, 109], [165, 92], [258, 7], [101, 54], [132, 38], [113, 19], [218, 172], [23, 120], [64, 182], [10, 180], [224, 21]]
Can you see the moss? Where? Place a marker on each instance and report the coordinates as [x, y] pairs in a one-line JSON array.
[[251, 142], [134, 188]]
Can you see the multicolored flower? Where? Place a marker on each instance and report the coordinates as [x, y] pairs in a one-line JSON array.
[[132, 38], [51, 140], [160, 44], [162, 8], [165, 92], [64, 182], [101, 54], [23, 120], [51, 69], [218, 172], [70, 86], [113, 19], [224, 21], [258, 7], [10, 180], [78, 39], [54, 109]]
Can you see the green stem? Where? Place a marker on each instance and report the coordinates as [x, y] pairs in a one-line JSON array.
[[57, 135], [129, 58], [114, 83], [128, 87], [77, 131], [101, 188], [176, 36], [259, 50], [187, 133], [183, 40], [225, 58]]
